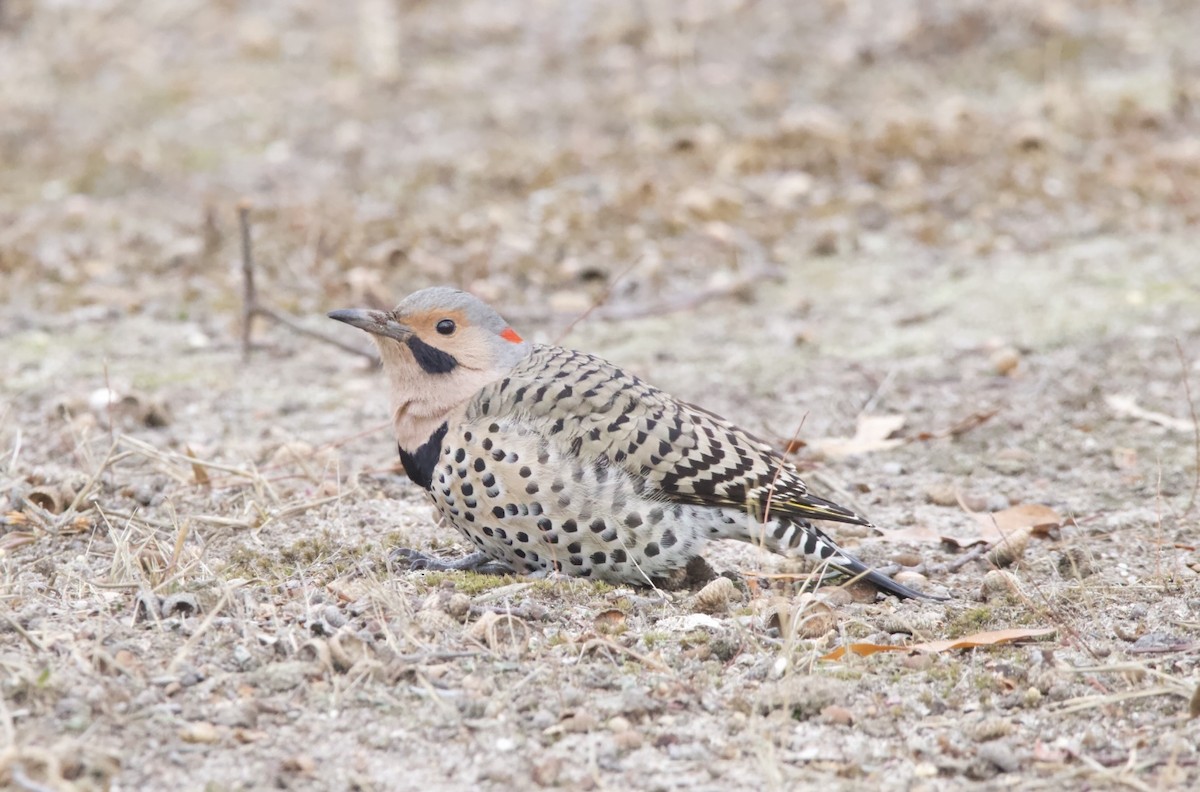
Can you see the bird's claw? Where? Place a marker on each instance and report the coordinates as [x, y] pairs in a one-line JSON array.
[[475, 562]]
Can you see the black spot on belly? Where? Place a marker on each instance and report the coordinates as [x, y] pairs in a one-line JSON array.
[[525, 472], [633, 519], [575, 547], [522, 537], [599, 557], [569, 526], [466, 489], [597, 525], [668, 538], [498, 512], [576, 560], [480, 465], [544, 524], [488, 480], [618, 556], [652, 550], [531, 488], [420, 465]]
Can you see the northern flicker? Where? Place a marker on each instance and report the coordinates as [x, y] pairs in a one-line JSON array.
[[549, 460]]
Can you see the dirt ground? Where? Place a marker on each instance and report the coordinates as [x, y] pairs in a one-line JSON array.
[[975, 218]]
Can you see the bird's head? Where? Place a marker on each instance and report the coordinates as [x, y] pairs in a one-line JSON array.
[[440, 340]]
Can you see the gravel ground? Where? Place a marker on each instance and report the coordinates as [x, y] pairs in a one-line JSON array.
[[963, 230]]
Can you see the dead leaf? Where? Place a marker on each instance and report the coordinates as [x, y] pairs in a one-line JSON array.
[[198, 472], [609, 621], [961, 427], [1027, 517], [913, 533], [872, 434], [1127, 406], [990, 638]]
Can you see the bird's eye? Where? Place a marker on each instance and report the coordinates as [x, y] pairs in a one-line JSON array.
[[446, 326]]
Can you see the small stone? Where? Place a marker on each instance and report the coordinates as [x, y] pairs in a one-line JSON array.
[[619, 723], [837, 715], [547, 771], [1000, 755], [1006, 361], [333, 616], [911, 579], [458, 605], [990, 729], [628, 740], [199, 732], [998, 582], [300, 764], [182, 604], [942, 494], [575, 723]]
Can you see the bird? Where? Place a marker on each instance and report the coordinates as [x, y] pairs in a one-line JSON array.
[[550, 461]]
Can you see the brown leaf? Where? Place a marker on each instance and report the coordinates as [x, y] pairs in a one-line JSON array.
[[872, 434], [199, 474], [609, 621], [1028, 516], [990, 638], [913, 533]]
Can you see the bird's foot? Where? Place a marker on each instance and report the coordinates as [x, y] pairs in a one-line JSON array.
[[475, 562]]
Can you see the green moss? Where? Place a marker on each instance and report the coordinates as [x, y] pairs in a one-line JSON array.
[[970, 621]]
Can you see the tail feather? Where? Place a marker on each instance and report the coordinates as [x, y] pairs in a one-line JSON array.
[[794, 537]]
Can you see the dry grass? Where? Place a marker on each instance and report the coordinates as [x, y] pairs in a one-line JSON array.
[[779, 210]]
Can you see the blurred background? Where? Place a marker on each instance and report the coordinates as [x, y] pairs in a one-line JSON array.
[[544, 154]]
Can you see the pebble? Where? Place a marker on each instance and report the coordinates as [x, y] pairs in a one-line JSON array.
[[199, 732], [547, 771], [837, 715], [942, 494], [1006, 361], [996, 582], [1001, 755]]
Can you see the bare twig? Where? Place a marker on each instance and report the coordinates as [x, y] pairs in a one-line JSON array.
[[186, 649], [34, 642], [649, 662], [977, 553], [1187, 389], [251, 307], [249, 293], [690, 301], [603, 298]]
